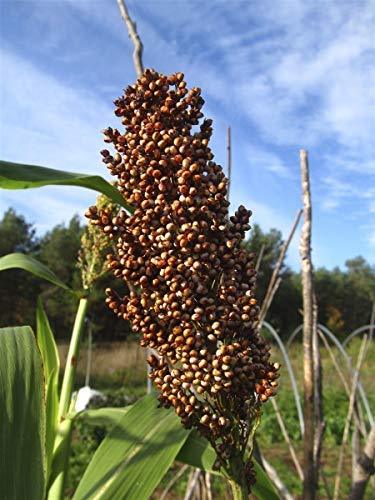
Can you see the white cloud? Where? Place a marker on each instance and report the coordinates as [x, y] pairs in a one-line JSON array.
[[270, 162], [50, 124]]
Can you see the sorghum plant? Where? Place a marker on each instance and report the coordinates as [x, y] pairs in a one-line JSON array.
[[191, 282], [94, 246]]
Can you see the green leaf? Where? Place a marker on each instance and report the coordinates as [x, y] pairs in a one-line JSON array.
[[46, 342], [198, 452], [51, 364], [263, 488], [20, 176], [27, 263], [103, 416], [22, 416], [133, 458]]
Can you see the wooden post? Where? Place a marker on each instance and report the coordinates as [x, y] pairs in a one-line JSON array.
[[309, 473]]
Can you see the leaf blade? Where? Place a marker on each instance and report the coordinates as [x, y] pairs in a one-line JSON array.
[[22, 176], [51, 364], [135, 455], [198, 452], [33, 266], [22, 416]]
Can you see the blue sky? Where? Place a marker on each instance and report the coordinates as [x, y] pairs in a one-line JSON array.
[[284, 75]]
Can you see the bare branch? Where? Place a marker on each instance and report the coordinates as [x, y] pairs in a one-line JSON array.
[[174, 479], [364, 469], [270, 290], [349, 417], [192, 483], [133, 35], [357, 416], [260, 257], [280, 486], [309, 484], [229, 161], [318, 395], [287, 438]]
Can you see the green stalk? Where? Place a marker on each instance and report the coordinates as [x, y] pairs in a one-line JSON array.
[[237, 479], [239, 491], [72, 359], [62, 441]]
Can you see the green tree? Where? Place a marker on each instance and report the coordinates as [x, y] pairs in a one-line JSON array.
[[283, 313], [18, 289], [59, 251]]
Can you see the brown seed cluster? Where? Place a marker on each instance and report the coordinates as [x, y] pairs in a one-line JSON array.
[[191, 282]]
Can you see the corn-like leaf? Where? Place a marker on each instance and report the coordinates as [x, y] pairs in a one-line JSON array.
[[20, 176], [51, 364], [133, 458], [46, 342], [103, 416], [22, 416], [198, 452], [27, 263]]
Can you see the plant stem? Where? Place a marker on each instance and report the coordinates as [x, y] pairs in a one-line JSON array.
[[239, 491], [62, 441], [72, 359], [237, 478], [60, 463]]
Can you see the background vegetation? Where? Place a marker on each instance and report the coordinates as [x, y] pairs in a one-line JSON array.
[[345, 296]]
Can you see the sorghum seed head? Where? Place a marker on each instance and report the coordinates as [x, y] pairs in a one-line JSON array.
[[191, 282]]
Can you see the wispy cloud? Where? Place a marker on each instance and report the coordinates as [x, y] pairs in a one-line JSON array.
[[296, 74]]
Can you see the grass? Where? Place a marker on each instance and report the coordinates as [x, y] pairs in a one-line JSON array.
[[118, 370]]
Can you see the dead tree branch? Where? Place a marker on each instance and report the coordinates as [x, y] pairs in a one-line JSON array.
[[275, 275], [287, 438], [173, 481], [309, 483], [318, 395], [364, 468], [133, 35], [229, 161], [260, 257], [349, 415]]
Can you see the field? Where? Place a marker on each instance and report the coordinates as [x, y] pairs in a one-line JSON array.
[[118, 370]]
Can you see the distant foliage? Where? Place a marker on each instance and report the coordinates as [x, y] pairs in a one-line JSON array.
[[345, 296]]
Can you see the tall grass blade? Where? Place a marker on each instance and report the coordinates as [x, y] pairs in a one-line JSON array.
[[21, 176], [51, 364], [133, 458], [198, 452], [22, 416], [27, 263]]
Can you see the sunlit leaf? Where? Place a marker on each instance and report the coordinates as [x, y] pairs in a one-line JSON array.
[[27, 263], [198, 452], [22, 416], [51, 364], [133, 458], [21, 176]]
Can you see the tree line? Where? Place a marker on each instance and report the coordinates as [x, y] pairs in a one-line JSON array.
[[345, 296]]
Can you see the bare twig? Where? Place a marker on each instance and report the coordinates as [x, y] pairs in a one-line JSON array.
[[192, 483], [280, 486], [318, 395], [348, 419], [287, 438], [364, 468], [133, 35], [260, 257], [309, 484], [229, 161], [173, 481], [207, 477], [275, 275], [341, 375]]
